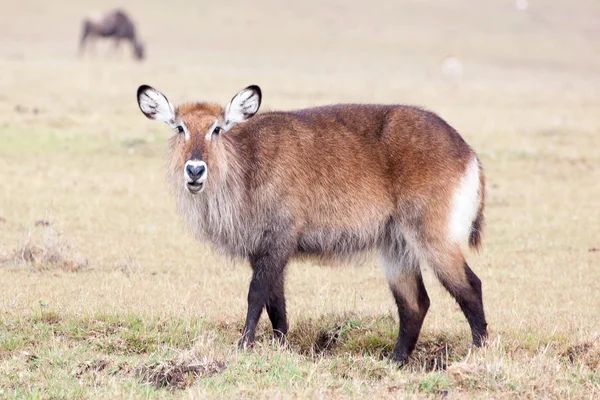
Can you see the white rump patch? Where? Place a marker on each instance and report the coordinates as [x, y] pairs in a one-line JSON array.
[[155, 105], [465, 203]]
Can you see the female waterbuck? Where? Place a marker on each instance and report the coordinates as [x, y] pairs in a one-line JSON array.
[[329, 181]]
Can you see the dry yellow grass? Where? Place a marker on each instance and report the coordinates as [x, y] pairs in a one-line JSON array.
[[112, 296]]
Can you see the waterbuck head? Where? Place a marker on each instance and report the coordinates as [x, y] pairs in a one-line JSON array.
[[197, 147]]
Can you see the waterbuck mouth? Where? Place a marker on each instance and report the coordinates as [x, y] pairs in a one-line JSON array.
[[195, 187]]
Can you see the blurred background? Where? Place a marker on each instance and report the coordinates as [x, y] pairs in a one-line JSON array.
[[308, 52]]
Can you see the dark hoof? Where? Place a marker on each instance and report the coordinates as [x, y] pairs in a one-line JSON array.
[[245, 344], [280, 339], [400, 360], [480, 339]]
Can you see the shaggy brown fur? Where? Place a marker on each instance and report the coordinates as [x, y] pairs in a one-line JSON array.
[[332, 181]]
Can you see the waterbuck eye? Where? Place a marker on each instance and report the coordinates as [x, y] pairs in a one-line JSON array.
[[217, 130], [179, 129]]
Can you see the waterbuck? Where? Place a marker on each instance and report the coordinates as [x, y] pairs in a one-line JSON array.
[[114, 24], [329, 181]]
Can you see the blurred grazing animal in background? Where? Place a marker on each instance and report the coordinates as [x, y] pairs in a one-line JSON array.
[[114, 24], [329, 182]]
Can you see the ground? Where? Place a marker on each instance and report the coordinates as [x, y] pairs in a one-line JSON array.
[[104, 293]]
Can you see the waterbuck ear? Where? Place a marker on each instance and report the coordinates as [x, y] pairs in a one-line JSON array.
[[155, 105], [243, 106]]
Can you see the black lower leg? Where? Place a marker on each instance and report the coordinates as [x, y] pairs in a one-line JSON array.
[[470, 299], [266, 289], [413, 304], [276, 309], [257, 297], [473, 308]]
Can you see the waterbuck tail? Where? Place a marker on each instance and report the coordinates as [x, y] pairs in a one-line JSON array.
[[476, 235]]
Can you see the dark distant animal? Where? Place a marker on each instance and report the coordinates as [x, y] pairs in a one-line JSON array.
[[114, 24], [331, 182]]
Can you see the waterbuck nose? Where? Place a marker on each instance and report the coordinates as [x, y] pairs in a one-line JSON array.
[[195, 170]]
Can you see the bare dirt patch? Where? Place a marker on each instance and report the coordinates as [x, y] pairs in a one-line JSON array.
[[586, 353], [178, 374], [51, 252], [93, 366]]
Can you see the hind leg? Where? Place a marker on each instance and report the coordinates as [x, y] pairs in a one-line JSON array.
[[406, 284], [462, 283]]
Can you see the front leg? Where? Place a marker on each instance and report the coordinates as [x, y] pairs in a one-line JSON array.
[[266, 289], [276, 309]]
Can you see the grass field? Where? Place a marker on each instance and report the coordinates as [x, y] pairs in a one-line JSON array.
[[103, 293]]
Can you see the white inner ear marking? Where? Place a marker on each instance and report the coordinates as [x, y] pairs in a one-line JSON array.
[[242, 107], [156, 106], [465, 203]]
